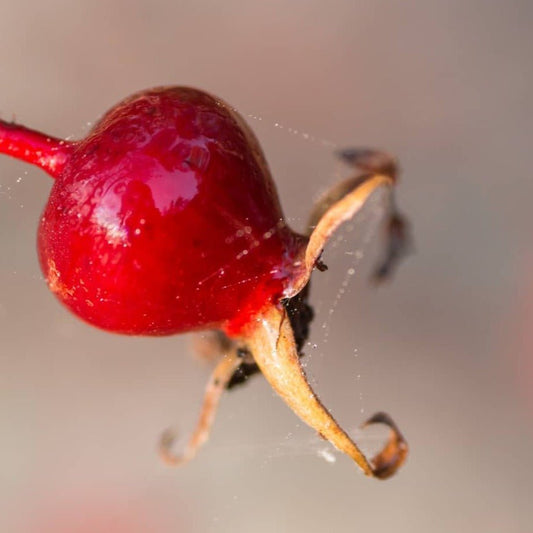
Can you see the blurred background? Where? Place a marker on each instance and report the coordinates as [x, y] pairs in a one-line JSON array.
[[446, 348]]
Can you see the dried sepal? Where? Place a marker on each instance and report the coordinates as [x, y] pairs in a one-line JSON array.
[[218, 381], [271, 341]]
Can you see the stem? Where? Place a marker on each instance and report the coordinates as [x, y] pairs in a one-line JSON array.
[[28, 145]]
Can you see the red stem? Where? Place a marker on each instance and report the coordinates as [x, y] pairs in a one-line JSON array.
[[46, 152]]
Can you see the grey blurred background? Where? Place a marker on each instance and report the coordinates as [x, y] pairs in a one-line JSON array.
[[446, 348]]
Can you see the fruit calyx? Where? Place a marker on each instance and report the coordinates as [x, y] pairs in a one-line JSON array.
[[269, 342]]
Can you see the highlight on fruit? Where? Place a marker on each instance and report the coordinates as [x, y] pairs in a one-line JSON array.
[[165, 219]]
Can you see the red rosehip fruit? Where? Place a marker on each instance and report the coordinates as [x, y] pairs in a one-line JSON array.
[[165, 219], [165, 204]]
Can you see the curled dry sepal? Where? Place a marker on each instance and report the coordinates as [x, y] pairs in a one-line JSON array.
[[165, 219]]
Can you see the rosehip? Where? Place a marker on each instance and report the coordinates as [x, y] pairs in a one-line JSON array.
[[165, 219]]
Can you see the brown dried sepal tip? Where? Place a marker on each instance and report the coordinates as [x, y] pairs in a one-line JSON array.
[[273, 341]]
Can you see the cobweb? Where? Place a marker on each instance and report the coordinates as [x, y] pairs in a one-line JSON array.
[[350, 256]]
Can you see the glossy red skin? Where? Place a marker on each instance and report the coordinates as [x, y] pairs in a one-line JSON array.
[[165, 219]]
